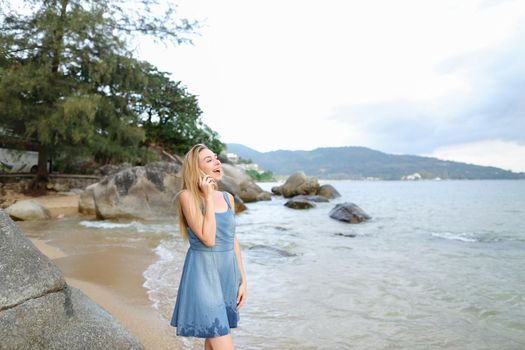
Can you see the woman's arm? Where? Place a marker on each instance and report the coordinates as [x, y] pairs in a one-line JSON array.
[[237, 250], [203, 226], [241, 294]]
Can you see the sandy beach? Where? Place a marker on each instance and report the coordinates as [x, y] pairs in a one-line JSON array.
[[110, 274], [118, 289]]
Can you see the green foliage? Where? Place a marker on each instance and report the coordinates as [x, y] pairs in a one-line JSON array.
[[264, 176], [69, 81], [244, 161], [171, 115]]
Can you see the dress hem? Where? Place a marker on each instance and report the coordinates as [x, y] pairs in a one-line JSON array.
[[203, 336]]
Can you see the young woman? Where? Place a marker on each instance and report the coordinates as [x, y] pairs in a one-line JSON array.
[[212, 288]]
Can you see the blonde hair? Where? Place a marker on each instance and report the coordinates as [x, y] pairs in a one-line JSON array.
[[190, 182]]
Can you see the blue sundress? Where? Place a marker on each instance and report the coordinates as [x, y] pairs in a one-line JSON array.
[[206, 305]]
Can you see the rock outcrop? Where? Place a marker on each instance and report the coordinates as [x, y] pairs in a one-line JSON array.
[[348, 212], [296, 184], [148, 192], [304, 191], [86, 202], [328, 191], [27, 210], [38, 310], [236, 181], [144, 192]]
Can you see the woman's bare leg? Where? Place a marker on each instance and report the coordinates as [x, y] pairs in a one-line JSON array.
[[221, 343], [207, 345]]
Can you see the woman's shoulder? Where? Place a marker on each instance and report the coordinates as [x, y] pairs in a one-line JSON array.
[[231, 200], [228, 193], [184, 196]]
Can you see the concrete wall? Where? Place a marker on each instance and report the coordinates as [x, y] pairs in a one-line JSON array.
[[59, 183]]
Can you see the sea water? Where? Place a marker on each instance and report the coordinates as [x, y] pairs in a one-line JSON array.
[[441, 265]]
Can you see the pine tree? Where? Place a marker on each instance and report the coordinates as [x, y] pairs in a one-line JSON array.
[[68, 79]]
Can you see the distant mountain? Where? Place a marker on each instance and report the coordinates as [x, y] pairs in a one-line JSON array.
[[363, 163]]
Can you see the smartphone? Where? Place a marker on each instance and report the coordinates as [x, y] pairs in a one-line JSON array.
[[203, 175]]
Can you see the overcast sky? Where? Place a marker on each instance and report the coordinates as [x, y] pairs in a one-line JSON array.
[[439, 78]]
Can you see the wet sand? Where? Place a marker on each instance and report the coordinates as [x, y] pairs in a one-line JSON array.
[[112, 277]]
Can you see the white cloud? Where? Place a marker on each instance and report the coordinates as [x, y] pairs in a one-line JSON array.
[[272, 74], [502, 154]]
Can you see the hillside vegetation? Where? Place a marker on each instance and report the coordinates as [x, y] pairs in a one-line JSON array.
[[365, 163]]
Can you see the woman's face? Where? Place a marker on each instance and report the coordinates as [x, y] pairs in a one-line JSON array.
[[209, 164]]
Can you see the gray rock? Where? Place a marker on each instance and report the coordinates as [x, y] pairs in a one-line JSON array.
[[229, 184], [148, 192], [328, 191], [348, 212], [27, 210], [65, 319], [277, 190], [144, 192], [264, 196], [249, 194], [236, 181], [298, 183], [299, 204], [25, 273], [38, 310], [86, 203]]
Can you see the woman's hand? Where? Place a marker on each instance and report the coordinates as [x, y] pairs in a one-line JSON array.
[[207, 185], [241, 295]]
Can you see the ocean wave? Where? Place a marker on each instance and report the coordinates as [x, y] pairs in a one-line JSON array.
[[271, 251], [463, 237], [470, 237], [161, 276], [134, 225]]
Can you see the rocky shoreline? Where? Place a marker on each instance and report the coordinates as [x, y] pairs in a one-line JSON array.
[[143, 193], [40, 310], [110, 275]]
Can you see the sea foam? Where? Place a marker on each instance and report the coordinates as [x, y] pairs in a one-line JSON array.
[[132, 225]]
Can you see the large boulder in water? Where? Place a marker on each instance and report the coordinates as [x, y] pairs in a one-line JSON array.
[[304, 202], [328, 191], [27, 210], [299, 203], [348, 212], [38, 310], [144, 192], [296, 184]]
